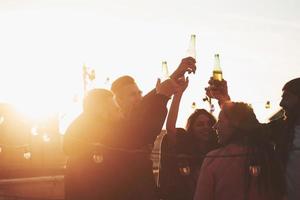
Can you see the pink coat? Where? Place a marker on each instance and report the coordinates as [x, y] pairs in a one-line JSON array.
[[223, 178]]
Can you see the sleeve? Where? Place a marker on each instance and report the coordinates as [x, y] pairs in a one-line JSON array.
[[205, 184], [274, 132], [146, 121]]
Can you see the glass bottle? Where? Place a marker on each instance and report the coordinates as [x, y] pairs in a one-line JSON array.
[[165, 71], [191, 51], [217, 71]]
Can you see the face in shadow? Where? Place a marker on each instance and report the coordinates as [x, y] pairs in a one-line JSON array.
[[290, 104], [224, 128], [202, 128], [129, 97]]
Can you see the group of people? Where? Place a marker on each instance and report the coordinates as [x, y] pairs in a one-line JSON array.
[[115, 129], [232, 158]]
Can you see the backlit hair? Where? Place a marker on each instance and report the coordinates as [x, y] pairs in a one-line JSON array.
[[96, 97], [120, 82]]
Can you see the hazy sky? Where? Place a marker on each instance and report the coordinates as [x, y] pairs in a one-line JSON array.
[[43, 45]]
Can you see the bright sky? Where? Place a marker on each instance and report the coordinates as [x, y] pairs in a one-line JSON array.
[[44, 44]]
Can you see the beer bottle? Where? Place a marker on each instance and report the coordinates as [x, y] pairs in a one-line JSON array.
[[191, 51], [217, 71], [165, 71]]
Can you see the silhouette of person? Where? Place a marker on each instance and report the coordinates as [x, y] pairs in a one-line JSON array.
[[143, 118], [179, 173], [283, 132], [83, 172], [255, 174]]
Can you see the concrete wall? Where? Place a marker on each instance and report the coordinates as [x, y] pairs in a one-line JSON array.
[[47, 187]]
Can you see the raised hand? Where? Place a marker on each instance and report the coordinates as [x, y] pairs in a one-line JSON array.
[[187, 65], [217, 90], [167, 87]]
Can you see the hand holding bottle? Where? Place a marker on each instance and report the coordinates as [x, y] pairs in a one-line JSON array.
[[218, 90], [217, 71], [187, 65]]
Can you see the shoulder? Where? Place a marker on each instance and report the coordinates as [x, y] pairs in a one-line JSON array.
[[180, 132], [275, 129], [224, 154], [180, 135], [176, 142], [75, 124], [216, 151], [211, 157], [183, 139], [278, 123]]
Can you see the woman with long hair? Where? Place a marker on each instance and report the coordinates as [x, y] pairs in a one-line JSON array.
[[183, 150], [246, 167]]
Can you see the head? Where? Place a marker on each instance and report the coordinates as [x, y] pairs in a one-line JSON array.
[[126, 92], [236, 121], [100, 103], [200, 124], [290, 101]]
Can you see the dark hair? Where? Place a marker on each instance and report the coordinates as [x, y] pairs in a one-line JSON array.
[[241, 116], [293, 86], [249, 133], [96, 97], [121, 82], [192, 118]]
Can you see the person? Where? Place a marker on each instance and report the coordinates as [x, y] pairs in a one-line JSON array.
[[143, 118], [282, 132], [82, 176], [245, 168], [178, 174], [98, 142], [290, 149]]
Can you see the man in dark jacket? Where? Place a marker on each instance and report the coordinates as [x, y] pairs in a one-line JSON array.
[[145, 117], [291, 142]]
